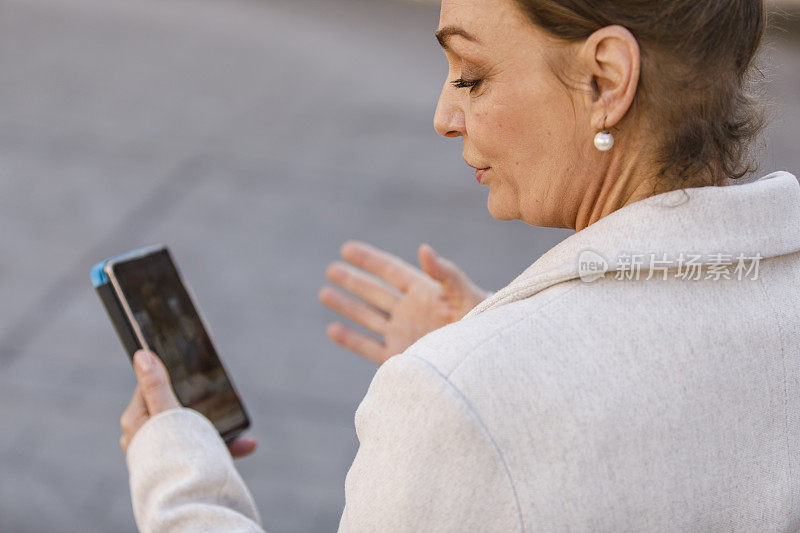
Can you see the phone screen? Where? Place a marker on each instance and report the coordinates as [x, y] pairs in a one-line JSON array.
[[172, 327]]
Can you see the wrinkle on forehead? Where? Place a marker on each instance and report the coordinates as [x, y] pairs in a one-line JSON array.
[[497, 23]]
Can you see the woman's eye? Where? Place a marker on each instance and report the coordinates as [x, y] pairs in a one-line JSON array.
[[462, 83]]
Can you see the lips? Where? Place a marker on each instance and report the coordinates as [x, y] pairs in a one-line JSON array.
[[480, 173]]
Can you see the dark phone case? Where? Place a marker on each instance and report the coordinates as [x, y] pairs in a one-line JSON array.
[[118, 319], [128, 338]]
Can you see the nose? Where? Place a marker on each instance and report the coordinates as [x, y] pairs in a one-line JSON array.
[[448, 121]]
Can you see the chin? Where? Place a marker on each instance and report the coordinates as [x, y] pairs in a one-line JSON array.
[[501, 210]]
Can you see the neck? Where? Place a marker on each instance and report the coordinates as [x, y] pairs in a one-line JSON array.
[[622, 183]]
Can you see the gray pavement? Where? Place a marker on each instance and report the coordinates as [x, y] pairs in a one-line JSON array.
[[253, 137]]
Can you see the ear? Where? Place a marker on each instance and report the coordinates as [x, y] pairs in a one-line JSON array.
[[614, 61]]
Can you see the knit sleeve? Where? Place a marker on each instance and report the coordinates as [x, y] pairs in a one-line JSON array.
[[182, 478]]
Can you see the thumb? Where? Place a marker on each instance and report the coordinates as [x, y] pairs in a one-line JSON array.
[[438, 268], [154, 382]]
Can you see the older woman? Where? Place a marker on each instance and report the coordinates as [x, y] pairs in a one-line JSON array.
[[644, 374]]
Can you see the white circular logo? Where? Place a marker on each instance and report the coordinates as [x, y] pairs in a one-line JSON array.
[[591, 266]]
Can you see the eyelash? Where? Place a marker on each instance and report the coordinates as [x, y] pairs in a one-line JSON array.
[[461, 83]]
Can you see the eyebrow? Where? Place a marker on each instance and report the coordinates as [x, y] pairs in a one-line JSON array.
[[442, 35]]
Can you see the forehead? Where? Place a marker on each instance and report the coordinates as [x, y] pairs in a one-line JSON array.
[[489, 20], [477, 12]]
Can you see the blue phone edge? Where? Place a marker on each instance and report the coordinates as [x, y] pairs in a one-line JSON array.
[[98, 273]]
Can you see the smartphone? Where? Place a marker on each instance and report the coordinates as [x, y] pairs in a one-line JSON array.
[[150, 307]]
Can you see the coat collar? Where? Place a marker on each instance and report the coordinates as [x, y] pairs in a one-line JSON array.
[[757, 218]]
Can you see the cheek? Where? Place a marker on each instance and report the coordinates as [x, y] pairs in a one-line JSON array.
[[527, 135], [489, 124], [522, 127]]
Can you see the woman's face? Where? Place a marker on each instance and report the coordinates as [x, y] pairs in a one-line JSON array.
[[515, 116]]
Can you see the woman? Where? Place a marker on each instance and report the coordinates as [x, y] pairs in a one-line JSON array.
[[643, 374]]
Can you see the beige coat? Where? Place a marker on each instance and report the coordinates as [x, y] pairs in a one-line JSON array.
[[663, 395]]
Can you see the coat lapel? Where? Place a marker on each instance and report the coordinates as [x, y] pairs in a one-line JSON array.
[[756, 220]]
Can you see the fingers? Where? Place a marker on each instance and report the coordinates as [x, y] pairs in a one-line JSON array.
[[386, 266], [355, 310], [242, 446], [134, 417], [154, 382], [455, 283], [356, 342], [439, 268], [363, 285]]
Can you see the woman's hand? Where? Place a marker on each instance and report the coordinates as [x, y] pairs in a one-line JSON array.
[[399, 302], [153, 395]]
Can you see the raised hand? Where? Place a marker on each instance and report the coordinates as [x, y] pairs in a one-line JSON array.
[[393, 299]]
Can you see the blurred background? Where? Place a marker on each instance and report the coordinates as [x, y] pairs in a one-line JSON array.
[[253, 137]]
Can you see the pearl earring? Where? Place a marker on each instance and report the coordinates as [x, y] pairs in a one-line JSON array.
[[603, 141]]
